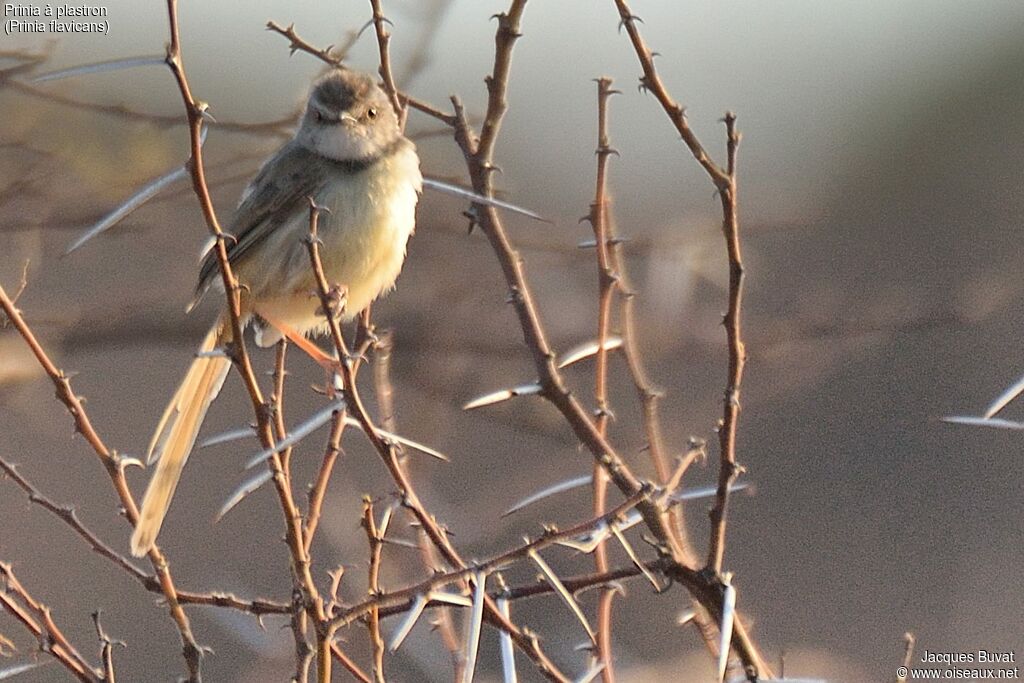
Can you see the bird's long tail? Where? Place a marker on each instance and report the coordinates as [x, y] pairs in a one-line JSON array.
[[176, 434]]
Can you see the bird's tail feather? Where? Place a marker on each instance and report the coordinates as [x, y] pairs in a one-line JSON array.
[[176, 434]]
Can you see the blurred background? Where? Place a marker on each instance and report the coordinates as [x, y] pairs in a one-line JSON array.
[[881, 206]]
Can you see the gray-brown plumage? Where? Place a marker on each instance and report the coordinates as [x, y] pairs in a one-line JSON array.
[[348, 155]]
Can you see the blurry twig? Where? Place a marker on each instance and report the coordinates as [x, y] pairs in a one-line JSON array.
[[908, 655], [277, 128], [433, 15], [22, 284], [607, 282], [724, 180], [382, 350]]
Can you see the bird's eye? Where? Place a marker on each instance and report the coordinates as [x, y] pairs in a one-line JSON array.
[[371, 112], [318, 115]]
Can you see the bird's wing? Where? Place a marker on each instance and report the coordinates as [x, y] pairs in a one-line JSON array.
[[280, 189]]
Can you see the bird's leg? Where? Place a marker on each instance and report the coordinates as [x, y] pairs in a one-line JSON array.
[[328, 363]]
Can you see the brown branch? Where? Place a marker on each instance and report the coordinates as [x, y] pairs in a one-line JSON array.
[[652, 82], [325, 55], [69, 516], [729, 469], [646, 393], [706, 587], [114, 466], [277, 406], [405, 596], [151, 583], [382, 350], [298, 44], [387, 452], [319, 489], [376, 540], [256, 607], [299, 623], [385, 392], [347, 662], [36, 617], [380, 27], [574, 584], [725, 182], [606, 288], [106, 649], [478, 153], [294, 534]]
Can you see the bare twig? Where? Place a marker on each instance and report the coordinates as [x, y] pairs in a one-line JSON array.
[[36, 617], [114, 466], [319, 489], [724, 180], [298, 44], [380, 27], [326, 55], [106, 648], [388, 454], [68, 515], [606, 288], [294, 533], [375, 538], [547, 539], [382, 350]]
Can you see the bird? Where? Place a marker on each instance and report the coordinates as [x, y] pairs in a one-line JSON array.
[[349, 156]]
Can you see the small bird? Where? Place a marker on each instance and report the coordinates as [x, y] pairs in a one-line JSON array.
[[349, 155]]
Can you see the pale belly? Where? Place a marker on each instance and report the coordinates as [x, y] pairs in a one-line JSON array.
[[364, 238]]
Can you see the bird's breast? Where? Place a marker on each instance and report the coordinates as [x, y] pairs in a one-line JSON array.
[[371, 214]]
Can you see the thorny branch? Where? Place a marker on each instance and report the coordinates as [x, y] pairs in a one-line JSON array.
[[549, 538], [150, 582], [724, 180], [298, 44], [388, 454], [382, 350], [305, 586], [114, 466], [308, 608], [607, 282], [36, 617], [380, 23]]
